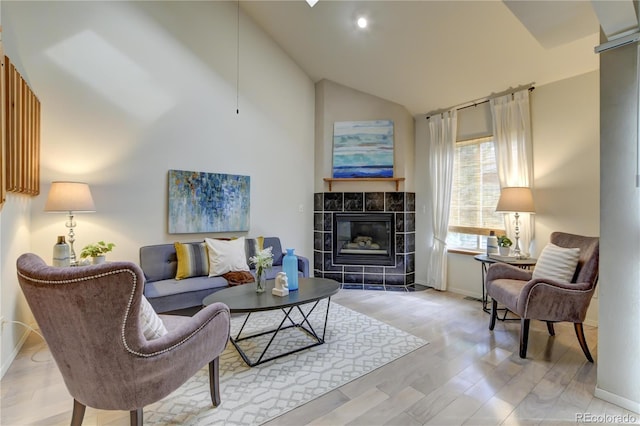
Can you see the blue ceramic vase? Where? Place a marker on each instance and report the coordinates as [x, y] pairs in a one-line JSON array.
[[290, 267]]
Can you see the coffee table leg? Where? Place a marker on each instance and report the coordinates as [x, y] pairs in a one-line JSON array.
[[310, 330], [287, 315], [243, 324]]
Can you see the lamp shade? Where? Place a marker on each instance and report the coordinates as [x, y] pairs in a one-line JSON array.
[[516, 199], [69, 197]]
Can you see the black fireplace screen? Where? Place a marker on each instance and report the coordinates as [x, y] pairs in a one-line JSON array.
[[364, 239]]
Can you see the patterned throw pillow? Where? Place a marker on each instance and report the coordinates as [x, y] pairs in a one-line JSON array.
[[192, 260], [151, 324], [557, 263]]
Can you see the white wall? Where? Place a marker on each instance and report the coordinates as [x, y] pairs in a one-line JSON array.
[[130, 90], [335, 102], [14, 240], [565, 132], [618, 336]]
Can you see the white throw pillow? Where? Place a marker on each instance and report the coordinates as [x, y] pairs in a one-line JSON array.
[[150, 322], [557, 263], [226, 256]]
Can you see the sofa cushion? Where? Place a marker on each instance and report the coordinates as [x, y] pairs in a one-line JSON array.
[[172, 286], [226, 256], [193, 260], [159, 262], [557, 263], [251, 248], [276, 249]]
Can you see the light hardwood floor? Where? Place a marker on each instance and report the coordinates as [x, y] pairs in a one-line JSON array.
[[465, 375]]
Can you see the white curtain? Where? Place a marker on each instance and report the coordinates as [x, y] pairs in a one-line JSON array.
[[514, 154], [442, 139]]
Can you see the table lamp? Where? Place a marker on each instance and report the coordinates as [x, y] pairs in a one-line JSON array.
[[516, 200], [70, 198]]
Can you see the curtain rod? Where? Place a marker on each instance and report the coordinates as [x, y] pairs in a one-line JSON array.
[[481, 101]]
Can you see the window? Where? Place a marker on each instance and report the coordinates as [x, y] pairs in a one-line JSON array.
[[474, 196]]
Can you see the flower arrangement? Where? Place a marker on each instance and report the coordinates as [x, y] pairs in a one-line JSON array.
[[262, 260]]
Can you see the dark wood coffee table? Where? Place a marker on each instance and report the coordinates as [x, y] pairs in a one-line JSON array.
[[244, 299]]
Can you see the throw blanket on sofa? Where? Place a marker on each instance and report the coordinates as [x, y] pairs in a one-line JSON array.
[[238, 277]]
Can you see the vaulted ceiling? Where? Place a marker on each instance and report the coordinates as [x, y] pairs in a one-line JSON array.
[[429, 55]]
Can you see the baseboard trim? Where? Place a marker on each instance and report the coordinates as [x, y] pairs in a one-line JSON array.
[[7, 363], [617, 400], [465, 292], [591, 323]]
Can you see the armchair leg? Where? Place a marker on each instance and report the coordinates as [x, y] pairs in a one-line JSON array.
[[78, 413], [552, 332], [135, 417], [524, 336], [214, 382], [494, 314], [582, 340]]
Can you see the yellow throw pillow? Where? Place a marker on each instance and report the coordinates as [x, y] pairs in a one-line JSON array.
[[192, 260]]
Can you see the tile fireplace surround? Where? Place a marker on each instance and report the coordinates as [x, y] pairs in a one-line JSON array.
[[398, 277]]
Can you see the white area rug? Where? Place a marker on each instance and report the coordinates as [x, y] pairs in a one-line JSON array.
[[355, 345]]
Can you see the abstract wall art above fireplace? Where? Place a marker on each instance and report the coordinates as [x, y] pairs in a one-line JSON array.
[[363, 149], [208, 202]]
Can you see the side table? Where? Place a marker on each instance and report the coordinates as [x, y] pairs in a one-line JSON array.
[[486, 261]]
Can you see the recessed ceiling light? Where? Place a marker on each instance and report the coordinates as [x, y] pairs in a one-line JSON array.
[[362, 22]]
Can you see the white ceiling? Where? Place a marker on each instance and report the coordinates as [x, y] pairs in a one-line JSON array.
[[430, 55]]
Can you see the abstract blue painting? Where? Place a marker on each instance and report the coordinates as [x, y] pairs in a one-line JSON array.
[[363, 149], [208, 202]]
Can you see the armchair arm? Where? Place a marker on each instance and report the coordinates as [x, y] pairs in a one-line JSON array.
[[549, 300], [506, 271], [159, 366], [215, 316]]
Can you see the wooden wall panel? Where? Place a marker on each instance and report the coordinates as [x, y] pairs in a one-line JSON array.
[[22, 134], [3, 116]]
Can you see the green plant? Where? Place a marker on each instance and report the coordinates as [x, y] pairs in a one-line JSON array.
[[504, 241], [98, 249]]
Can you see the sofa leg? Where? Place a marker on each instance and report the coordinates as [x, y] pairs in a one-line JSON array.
[[494, 314], [214, 381], [524, 336], [582, 340], [552, 332], [78, 413]]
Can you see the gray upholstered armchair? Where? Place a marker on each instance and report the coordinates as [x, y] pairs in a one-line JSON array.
[[90, 318], [545, 299]]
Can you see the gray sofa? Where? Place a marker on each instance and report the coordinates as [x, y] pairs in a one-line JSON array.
[[159, 264]]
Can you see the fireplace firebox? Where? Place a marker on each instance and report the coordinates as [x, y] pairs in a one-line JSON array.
[[364, 239]]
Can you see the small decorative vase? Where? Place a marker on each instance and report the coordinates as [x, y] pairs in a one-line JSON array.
[[261, 280], [99, 259], [61, 253], [504, 251]]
